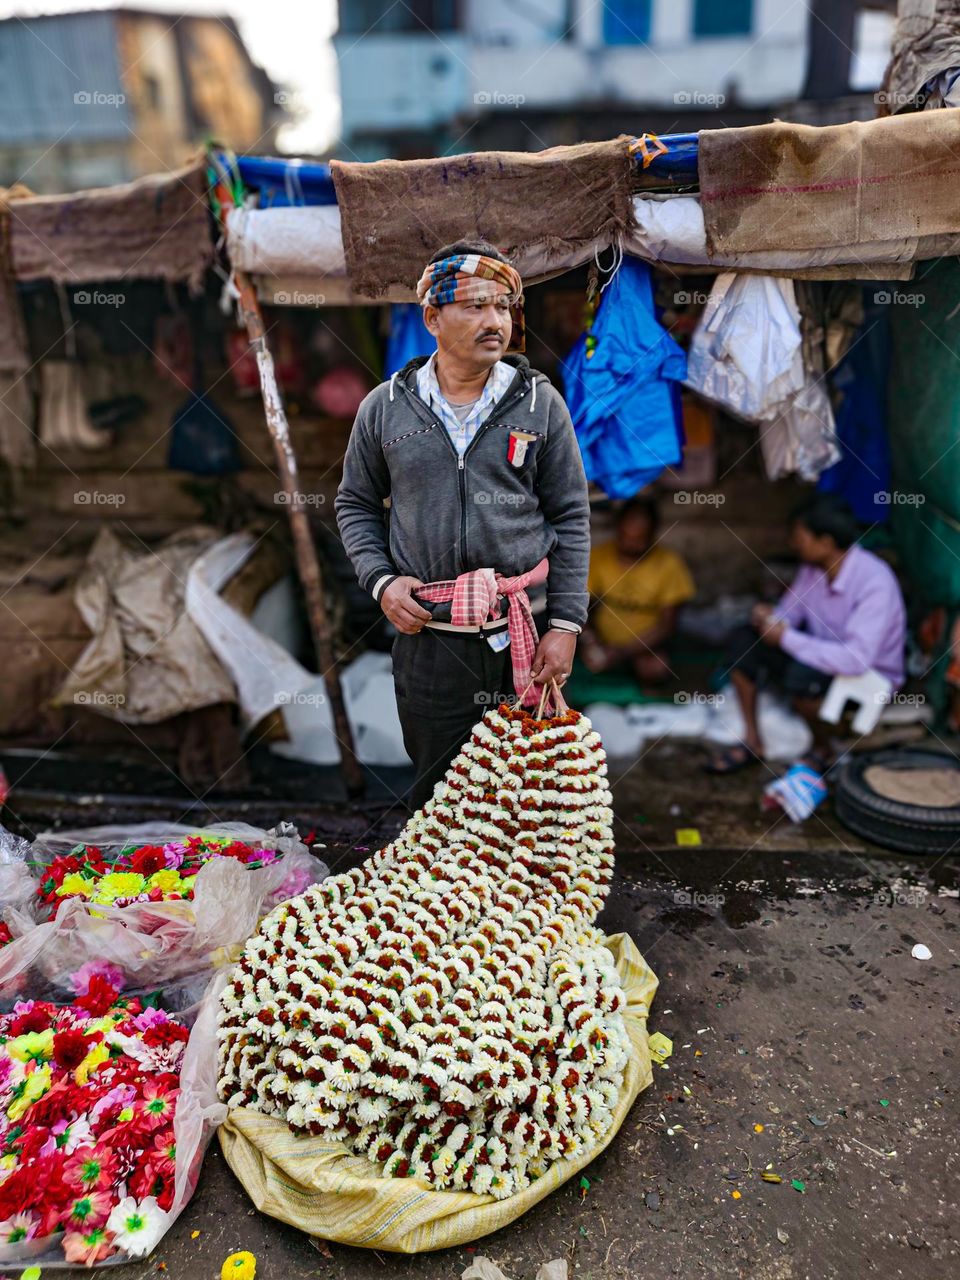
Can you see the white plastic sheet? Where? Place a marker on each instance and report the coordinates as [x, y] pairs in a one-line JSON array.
[[626, 730], [154, 944], [746, 355]]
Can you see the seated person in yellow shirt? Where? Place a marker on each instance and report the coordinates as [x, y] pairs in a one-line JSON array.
[[636, 588]]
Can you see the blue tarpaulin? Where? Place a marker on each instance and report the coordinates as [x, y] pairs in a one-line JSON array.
[[409, 337], [862, 475], [625, 397], [282, 181]]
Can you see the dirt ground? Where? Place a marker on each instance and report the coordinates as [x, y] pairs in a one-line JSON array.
[[807, 1041]]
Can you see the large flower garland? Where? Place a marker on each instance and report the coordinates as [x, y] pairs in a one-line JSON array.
[[140, 873], [88, 1094], [447, 1008]]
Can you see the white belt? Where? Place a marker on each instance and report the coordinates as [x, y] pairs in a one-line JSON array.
[[497, 624]]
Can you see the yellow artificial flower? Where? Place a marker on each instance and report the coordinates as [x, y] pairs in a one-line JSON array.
[[75, 883], [187, 883], [36, 1046], [239, 1266], [104, 1024], [36, 1085], [8, 1163], [99, 1053], [119, 884], [167, 880]]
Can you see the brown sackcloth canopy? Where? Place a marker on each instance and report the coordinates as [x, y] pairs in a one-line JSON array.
[[788, 186], [156, 227], [397, 213], [926, 41]]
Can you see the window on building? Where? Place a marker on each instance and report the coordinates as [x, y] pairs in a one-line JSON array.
[[722, 17], [373, 17], [626, 21]]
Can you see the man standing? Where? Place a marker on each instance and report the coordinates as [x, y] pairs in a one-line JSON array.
[[462, 485], [843, 616]]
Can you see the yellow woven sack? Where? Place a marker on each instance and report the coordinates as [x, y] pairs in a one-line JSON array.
[[324, 1189]]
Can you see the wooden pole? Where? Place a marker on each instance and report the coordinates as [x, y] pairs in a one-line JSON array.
[[308, 566]]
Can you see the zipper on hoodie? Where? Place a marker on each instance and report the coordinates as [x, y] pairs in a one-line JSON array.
[[461, 457]]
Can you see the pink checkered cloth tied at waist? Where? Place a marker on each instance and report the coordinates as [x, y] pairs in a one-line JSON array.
[[476, 599]]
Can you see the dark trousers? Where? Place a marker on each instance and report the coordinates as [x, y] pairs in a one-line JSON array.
[[444, 684], [771, 668]]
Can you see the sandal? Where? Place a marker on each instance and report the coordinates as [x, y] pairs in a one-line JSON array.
[[732, 760]]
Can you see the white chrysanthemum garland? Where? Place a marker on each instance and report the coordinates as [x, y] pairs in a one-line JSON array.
[[448, 1008]]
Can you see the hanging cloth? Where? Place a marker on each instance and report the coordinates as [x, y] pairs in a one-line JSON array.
[[621, 385]]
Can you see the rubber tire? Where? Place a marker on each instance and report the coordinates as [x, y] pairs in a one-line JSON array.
[[907, 827]]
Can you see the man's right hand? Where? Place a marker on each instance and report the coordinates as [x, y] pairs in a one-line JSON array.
[[398, 604]]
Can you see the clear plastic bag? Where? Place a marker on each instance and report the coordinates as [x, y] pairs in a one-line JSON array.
[[153, 943], [199, 1113]]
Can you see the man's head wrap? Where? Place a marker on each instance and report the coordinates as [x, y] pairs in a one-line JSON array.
[[467, 277]]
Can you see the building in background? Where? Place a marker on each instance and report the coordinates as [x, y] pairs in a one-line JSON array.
[[103, 96], [428, 77]]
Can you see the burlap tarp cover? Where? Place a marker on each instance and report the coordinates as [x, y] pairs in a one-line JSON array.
[[777, 186], [397, 213], [157, 227], [147, 659], [323, 1189], [926, 41]]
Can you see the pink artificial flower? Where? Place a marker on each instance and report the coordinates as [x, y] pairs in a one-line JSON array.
[[91, 1169], [174, 854], [88, 1210], [72, 1134], [21, 1227], [150, 1017], [111, 973], [88, 1247], [298, 880], [120, 1096]]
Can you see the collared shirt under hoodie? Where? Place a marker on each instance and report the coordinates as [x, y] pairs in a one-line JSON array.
[[462, 430]]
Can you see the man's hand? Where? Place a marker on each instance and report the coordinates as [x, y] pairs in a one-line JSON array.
[[398, 604], [554, 657], [760, 615], [772, 631]]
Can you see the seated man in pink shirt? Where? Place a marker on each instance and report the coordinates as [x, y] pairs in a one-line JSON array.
[[842, 616]]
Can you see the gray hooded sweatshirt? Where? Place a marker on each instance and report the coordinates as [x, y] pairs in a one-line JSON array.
[[450, 513]]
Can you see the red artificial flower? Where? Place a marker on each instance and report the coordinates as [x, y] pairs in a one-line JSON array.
[[165, 1033], [5, 934], [148, 859], [37, 1019], [100, 996], [71, 1047]]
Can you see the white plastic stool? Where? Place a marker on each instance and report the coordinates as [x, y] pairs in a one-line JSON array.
[[870, 691]]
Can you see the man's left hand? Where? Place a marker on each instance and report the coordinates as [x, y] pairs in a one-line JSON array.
[[554, 657], [772, 632]]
